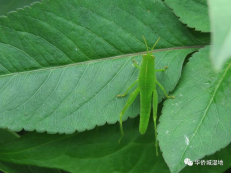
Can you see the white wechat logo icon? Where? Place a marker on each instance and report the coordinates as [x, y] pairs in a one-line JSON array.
[[188, 162]]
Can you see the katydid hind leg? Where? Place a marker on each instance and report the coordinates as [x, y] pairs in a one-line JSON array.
[[162, 88], [130, 100], [155, 105], [131, 86]]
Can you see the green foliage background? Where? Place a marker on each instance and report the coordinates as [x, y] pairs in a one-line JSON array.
[[62, 63]]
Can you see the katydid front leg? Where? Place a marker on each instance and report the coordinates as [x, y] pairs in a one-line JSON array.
[[136, 64], [158, 70]]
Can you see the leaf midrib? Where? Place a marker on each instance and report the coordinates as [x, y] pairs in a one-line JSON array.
[[103, 59]]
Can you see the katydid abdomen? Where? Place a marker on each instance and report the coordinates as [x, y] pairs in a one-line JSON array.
[[146, 83], [145, 110]]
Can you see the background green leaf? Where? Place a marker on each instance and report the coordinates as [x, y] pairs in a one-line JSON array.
[[8, 136], [10, 5], [98, 150], [45, 85], [220, 15], [8, 167], [193, 13], [197, 122]]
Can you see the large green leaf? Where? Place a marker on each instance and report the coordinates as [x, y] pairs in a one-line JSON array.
[[63, 65], [78, 97], [194, 13], [197, 122], [220, 15], [98, 150], [60, 36]]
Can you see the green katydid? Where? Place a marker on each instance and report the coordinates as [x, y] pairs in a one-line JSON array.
[[147, 88]]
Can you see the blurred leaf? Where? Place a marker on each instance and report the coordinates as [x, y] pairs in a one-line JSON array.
[[7, 136], [63, 65], [11, 5], [220, 15], [98, 150], [197, 122], [193, 13], [15, 168]]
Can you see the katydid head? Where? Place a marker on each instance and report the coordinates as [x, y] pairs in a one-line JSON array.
[[150, 53]]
